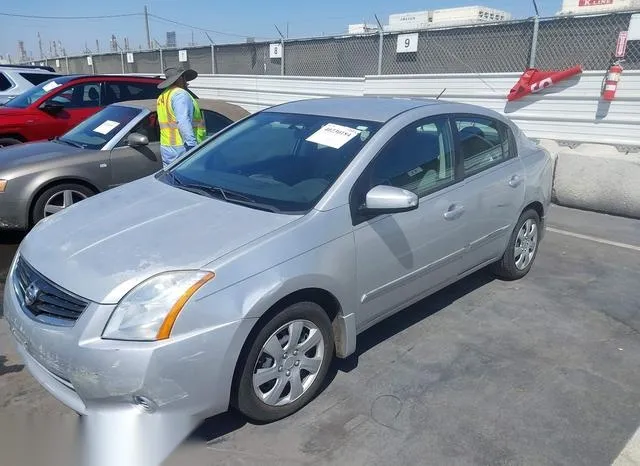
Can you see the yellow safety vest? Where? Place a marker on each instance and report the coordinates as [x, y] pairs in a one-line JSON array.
[[169, 132]]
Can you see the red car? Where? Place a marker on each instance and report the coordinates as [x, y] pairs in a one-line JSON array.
[[57, 105]]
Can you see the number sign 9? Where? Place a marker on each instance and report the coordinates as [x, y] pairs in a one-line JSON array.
[[407, 43]]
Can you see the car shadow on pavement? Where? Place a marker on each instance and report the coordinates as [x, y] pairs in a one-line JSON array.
[[412, 315], [4, 369], [214, 429], [11, 237]]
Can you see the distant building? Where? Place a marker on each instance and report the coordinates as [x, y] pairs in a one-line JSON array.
[[446, 17], [362, 28], [417, 20], [581, 7], [172, 43]]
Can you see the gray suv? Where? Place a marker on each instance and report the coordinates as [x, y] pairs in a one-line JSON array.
[[15, 79]]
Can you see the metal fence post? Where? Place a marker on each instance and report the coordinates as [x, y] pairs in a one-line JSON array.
[[380, 45], [66, 60], [122, 61], [282, 59], [161, 62], [534, 42], [213, 59]]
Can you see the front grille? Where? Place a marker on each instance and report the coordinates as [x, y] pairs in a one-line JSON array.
[[43, 298]]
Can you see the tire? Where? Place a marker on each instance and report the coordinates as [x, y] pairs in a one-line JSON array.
[[513, 266], [55, 196], [5, 142], [277, 398]]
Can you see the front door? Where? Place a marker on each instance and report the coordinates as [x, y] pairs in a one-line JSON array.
[[78, 103], [131, 163], [401, 257]]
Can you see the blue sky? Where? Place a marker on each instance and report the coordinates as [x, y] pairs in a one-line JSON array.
[[244, 18]]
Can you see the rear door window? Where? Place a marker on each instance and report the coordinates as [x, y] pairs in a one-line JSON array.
[[37, 78], [484, 143], [123, 91]]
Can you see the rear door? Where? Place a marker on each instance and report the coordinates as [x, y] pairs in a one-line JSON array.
[[131, 163], [495, 174], [78, 101]]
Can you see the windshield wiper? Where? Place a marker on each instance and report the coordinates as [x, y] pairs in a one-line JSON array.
[[71, 143], [224, 194]]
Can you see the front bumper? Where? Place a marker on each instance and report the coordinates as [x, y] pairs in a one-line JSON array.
[[13, 213], [191, 375]]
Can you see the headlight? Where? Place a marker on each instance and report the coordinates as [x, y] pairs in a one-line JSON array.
[[3, 185], [148, 312]]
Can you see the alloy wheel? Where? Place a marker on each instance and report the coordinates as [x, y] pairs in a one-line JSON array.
[[288, 363], [61, 200], [526, 244]]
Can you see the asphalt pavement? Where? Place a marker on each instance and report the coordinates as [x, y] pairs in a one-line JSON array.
[[543, 371]]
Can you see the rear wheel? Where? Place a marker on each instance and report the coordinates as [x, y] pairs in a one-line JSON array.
[[287, 363], [5, 142], [522, 249], [57, 198]]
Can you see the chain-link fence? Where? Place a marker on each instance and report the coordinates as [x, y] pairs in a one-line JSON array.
[[547, 43]]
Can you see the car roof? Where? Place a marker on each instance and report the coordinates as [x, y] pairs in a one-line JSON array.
[[231, 111], [32, 68], [71, 77], [378, 109]]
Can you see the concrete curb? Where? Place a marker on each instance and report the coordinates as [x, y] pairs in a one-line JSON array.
[[596, 177]]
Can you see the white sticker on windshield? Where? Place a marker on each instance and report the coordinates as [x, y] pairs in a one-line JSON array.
[[50, 86], [106, 127], [333, 135]]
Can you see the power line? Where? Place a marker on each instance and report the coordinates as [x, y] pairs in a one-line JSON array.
[[12, 15], [244, 36]]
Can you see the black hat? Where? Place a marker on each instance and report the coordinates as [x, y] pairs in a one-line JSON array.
[[173, 74]]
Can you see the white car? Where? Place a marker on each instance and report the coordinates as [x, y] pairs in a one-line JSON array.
[[15, 79]]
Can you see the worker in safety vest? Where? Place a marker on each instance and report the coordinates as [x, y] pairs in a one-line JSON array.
[[182, 125]]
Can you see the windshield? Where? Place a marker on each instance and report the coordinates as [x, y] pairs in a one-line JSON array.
[[33, 94], [96, 131], [285, 162]]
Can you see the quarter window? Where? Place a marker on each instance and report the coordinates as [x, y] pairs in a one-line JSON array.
[[484, 142], [5, 84], [419, 158]]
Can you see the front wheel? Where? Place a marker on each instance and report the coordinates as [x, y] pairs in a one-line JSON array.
[[57, 198], [287, 363], [522, 248]]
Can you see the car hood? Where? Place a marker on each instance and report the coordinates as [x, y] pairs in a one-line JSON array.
[[102, 247], [34, 152]]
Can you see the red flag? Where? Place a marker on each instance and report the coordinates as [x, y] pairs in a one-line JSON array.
[[533, 81]]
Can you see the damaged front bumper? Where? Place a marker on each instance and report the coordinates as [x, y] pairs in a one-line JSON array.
[[191, 374]]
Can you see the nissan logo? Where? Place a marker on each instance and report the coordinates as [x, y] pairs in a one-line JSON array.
[[31, 294]]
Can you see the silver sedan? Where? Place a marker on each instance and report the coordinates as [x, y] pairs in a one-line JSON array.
[[234, 277]]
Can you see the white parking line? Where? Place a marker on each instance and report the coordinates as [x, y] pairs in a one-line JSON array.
[[630, 455], [594, 239]]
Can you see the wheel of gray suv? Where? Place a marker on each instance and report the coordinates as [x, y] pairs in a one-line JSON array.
[[5, 142], [58, 197], [286, 364], [522, 249]]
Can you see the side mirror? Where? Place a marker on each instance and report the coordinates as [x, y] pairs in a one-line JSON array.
[[390, 200], [52, 106], [137, 140]]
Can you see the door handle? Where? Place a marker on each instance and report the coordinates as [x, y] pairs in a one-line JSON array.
[[454, 212], [515, 181]]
